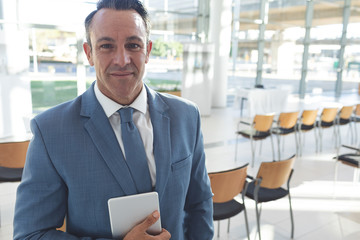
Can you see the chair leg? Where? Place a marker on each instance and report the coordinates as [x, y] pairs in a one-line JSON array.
[[291, 218], [356, 136], [278, 142], [336, 171], [316, 141], [356, 175], [258, 220], [228, 229], [246, 224], [252, 151], [236, 143], [320, 136], [300, 143], [218, 232], [272, 147], [296, 144]]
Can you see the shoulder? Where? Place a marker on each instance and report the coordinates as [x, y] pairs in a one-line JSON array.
[[60, 111], [174, 105]]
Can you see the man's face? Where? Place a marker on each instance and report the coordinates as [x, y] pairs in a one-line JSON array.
[[119, 53]]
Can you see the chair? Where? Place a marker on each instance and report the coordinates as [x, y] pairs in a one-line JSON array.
[[327, 120], [259, 129], [286, 124], [307, 123], [355, 119], [344, 118], [225, 186], [268, 186], [12, 161], [350, 159]]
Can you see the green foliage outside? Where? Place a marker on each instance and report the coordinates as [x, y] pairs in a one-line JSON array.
[[166, 49], [46, 94]]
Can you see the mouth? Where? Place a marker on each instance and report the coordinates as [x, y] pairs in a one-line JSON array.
[[121, 74]]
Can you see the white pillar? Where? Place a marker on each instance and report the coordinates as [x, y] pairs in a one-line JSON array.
[[286, 58], [15, 91], [220, 35]]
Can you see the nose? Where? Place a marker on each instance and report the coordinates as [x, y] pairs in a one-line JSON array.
[[122, 57]]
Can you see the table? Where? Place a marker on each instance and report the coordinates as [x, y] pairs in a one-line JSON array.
[[263, 101]]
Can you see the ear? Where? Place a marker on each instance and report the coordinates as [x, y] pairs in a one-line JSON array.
[[148, 50], [87, 50]]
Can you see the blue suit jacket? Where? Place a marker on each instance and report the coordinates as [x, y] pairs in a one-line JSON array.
[[74, 165]]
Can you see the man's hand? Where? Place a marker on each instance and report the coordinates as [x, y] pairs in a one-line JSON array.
[[139, 231]]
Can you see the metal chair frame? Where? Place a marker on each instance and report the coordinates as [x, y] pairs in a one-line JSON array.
[[259, 129], [306, 123], [228, 184], [272, 175]]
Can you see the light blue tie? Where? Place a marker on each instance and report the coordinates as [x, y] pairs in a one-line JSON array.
[[134, 151]]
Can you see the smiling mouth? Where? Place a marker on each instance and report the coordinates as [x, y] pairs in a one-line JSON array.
[[121, 74]]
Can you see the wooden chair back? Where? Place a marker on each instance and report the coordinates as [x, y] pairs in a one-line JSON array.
[[288, 120], [275, 174], [308, 117], [263, 123], [329, 114], [13, 154], [226, 185], [357, 110], [346, 112]]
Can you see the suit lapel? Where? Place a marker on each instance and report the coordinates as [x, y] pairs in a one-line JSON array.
[[103, 137], [162, 141]]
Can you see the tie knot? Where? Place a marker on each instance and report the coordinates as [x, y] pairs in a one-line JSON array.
[[126, 114]]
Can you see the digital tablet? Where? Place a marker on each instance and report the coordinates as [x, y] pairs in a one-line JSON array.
[[128, 211]]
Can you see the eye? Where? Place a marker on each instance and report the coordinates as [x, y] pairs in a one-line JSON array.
[[106, 46], [133, 46]]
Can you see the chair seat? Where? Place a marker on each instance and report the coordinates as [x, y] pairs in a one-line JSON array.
[[266, 194], [355, 119], [305, 127], [227, 209], [324, 124], [350, 159], [257, 135], [10, 174], [283, 131], [344, 121]]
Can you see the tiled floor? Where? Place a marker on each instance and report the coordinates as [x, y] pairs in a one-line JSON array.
[[322, 209]]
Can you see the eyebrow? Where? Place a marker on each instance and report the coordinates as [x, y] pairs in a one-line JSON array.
[[109, 39]]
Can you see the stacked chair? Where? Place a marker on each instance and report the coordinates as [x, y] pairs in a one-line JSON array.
[[259, 129], [327, 120], [267, 186], [12, 161], [286, 124], [351, 159], [307, 123], [344, 118], [226, 185], [355, 118]]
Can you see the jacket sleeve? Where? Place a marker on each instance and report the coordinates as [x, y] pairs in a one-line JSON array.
[[199, 205], [41, 201]]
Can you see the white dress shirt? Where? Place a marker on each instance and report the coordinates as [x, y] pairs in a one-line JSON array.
[[141, 118]]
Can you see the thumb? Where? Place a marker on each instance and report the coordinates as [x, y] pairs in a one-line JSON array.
[[150, 220]]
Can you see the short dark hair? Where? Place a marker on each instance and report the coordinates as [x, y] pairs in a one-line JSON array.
[[119, 5]]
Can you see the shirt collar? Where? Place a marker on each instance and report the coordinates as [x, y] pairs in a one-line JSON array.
[[110, 106]]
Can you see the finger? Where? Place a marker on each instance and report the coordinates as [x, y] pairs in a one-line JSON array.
[[165, 235], [150, 220]]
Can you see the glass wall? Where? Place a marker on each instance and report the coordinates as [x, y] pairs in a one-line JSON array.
[[172, 24], [52, 35], [284, 45]]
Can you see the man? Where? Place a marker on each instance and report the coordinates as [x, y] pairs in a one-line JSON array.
[[77, 159]]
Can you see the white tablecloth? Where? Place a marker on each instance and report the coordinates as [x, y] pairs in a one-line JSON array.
[[263, 101]]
